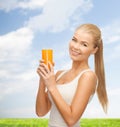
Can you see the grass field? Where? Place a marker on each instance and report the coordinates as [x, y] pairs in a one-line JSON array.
[[44, 122]]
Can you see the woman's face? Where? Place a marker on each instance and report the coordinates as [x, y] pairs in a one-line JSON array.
[[81, 46]]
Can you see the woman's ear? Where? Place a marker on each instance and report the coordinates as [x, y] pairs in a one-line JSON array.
[[95, 50]]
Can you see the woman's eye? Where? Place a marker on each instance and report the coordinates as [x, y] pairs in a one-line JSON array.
[[73, 39], [85, 45]]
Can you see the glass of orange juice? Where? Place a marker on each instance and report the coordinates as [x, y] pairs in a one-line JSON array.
[[47, 55]]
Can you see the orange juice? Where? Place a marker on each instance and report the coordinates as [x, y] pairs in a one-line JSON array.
[[47, 55]]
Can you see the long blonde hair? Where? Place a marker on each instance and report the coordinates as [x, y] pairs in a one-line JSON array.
[[99, 63]]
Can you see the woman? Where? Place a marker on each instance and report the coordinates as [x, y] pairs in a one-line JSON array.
[[68, 92]]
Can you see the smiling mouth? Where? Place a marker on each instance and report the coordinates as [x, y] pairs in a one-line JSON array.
[[75, 53]]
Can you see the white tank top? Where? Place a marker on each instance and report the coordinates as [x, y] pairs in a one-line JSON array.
[[67, 91]]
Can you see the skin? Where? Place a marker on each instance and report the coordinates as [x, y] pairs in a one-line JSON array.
[[80, 48]]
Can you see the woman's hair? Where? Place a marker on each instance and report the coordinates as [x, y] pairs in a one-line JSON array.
[[99, 62]]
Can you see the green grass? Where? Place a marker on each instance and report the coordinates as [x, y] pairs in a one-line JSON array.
[[23, 122], [100, 123], [35, 122]]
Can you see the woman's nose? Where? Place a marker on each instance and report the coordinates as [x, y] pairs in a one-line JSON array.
[[77, 46]]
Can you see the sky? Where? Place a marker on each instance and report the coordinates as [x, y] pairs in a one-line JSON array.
[[28, 26]]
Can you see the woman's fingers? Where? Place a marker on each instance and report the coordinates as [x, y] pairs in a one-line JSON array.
[[43, 68], [51, 67], [53, 64], [41, 61]]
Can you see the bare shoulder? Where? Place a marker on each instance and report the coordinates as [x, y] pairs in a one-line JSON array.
[[89, 74], [88, 78]]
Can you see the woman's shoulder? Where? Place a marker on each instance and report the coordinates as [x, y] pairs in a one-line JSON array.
[[88, 76], [89, 73]]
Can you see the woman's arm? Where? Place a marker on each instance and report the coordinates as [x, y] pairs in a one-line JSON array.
[[72, 113], [42, 101]]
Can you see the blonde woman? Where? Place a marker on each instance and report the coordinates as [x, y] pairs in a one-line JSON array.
[[69, 91]]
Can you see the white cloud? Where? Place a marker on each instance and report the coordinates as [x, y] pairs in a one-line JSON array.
[[112, 53], [31, 4], [114, 92], [14, 47], [94, 108], [8, 5], [111, 38], [15, 43], [116, 53], [111, 32], [114, 97], [17, 83], [56, 15], [19, 112]]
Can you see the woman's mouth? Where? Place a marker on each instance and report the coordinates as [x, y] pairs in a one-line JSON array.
[[75, 53]]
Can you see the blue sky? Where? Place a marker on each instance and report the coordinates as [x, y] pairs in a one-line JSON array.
[[27, 26]]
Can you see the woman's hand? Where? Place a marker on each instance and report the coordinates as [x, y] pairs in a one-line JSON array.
[[47, 74]]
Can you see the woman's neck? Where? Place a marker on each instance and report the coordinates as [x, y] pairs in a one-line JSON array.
[[79, 66]]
